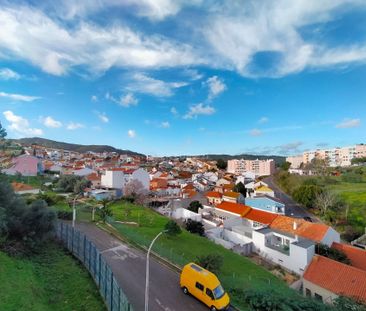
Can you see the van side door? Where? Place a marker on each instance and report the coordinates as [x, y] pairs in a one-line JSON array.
[[209, 297], [199, 291]]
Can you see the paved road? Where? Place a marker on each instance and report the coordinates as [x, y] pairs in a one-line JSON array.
[[128, 266], [293, 209]]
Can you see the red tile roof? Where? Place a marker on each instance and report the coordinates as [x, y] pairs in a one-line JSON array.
[[337, 277], [357, 256], [260, 216], [93, 177], [21, 187], [213, 194], [235, 208], [232, 194], [305, 229]]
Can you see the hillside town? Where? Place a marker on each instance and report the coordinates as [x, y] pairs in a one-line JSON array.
[[237, 208]]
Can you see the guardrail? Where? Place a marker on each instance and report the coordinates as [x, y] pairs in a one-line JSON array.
[[84, 250]]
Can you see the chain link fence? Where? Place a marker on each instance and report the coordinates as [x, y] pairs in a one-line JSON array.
[[83, 249]]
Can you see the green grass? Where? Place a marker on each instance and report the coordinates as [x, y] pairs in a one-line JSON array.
[[237, 271], [51, 280]]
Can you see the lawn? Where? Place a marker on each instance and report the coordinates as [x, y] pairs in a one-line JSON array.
[[51, 280], [237, 271]]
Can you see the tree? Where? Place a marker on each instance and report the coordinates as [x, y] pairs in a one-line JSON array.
[[194, 206], [172, 228], [67, 183], [195, 227], [3, 135], [80, 185], [285, 165], [135, 190], [221, 164], [325, 200], [239, 187], [343, 303], [211, 262], [105, 211], [306, 194], [332, 253]]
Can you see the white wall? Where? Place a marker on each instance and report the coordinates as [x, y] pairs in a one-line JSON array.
[[113, 179], [142, 176], [182, 213], [330, 237]]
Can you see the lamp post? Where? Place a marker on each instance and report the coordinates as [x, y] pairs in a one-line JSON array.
[[148, 270], [74, 210]]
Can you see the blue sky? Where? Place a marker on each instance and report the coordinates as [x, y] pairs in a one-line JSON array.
[[169, 77]]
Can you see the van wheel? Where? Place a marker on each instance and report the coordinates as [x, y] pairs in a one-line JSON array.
[[185, 290], [213, 308]]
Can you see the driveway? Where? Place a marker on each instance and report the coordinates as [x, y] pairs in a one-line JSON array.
[[128, 266]]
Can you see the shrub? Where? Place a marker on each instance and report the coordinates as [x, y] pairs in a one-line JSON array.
[[194, 206], [306, 194], [64, 215], [172, 228], [195, 227], [211, 262], [332, 253]]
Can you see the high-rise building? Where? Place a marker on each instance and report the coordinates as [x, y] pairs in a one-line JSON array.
[[258, 167]]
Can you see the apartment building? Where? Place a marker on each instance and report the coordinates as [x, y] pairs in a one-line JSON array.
[[340, 156], [258, 167]]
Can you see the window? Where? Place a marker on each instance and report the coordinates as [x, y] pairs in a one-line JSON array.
[[318, 297], [199, 286], [219, 292], [209, 293], [307, 292]]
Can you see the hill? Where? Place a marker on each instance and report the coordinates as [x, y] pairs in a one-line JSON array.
[[73, 147]]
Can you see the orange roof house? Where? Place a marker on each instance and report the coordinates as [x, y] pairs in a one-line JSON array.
[[17, 187], [260, 216], [235, 208], [334, 277], [357, 256], [296, 226], [232, 194], [213, 194], [158, 183]]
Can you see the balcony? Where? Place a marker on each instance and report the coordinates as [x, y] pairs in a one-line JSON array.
[[282, 248]]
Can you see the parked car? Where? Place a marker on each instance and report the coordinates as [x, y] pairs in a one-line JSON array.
[[205, 286]]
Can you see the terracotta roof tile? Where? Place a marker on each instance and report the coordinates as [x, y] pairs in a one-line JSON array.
[[235, 208], [260, 216], [337, 277], [305, 229], [21, 187], [232, 194], [213, 194], [357, 256]]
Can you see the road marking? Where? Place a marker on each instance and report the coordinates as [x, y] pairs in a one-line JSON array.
[[162, 306], [121, 248]]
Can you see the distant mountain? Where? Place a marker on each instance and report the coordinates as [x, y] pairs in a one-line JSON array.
[[278, 159], [73, 147]]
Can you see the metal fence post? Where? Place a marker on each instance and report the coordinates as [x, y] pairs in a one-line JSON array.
[[84, 249], [105, 282], [112, 287], [99, 270], [90, 244], [72, 240]]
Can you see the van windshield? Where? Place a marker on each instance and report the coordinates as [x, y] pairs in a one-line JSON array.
[[218, 292]]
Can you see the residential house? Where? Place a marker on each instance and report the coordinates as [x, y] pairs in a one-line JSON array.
[[25, 165], [213, 197], [20, 188], [266, 203], [357, 256], [317, 232], [226, 210], [234, 197], [95, 180], [263, 190], [326, 279], [83, 172]]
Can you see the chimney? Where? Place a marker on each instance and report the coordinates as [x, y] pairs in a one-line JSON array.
[[295, 226]]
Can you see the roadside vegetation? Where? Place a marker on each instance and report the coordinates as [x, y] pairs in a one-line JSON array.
[[337, 196]]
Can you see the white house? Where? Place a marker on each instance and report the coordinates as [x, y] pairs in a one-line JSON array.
[[118, 178]]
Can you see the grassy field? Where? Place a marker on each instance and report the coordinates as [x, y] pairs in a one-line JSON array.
[[52, 280], [237, 271]]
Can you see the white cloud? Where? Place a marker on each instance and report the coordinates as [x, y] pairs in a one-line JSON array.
[[25, 35], [128, 100], [255, 132], [19, 97], [263, 120], [199, 109], [131, 133], [193, 74], [74, 126], [51, 122], [215, 86], [165, 124], [290, 147], [94, 98], [8, 74], [21, 125], [102, 116], [349, 123], [148, 85], [174, 111]]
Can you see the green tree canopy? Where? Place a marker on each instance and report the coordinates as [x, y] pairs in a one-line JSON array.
[[194, 206], [195, 227], [239, 187], [172, 228], [306, 194], [221, 164]]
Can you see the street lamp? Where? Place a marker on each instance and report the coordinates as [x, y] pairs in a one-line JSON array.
[[148, 270], [74, 210]]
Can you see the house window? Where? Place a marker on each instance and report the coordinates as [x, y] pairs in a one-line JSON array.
[[199, 286], [318, 297], [307, 292]]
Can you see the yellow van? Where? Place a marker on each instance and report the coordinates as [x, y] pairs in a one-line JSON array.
[[205, 286]]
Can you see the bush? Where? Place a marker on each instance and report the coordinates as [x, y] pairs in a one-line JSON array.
[[195, 227], [332, 253], [194, 206], [350, 234], [347, 304], [306, 194], [211, 262], [172, 228], [64, 215]]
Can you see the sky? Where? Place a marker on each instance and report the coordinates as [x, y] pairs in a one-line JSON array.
[[177, 77]]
